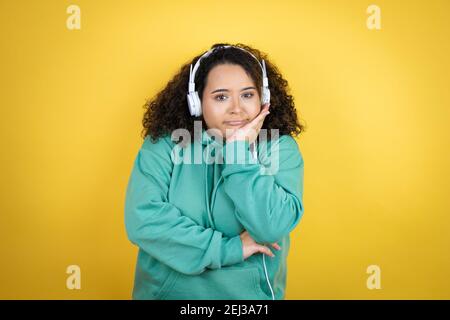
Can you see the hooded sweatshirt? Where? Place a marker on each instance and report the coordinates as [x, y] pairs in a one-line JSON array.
[[186, 215]]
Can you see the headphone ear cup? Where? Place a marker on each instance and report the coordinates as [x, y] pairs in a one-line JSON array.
[[194, 104], [265, 95], [191, 103], [198, 104]]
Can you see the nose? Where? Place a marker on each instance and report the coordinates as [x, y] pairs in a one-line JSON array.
[[236, 106]]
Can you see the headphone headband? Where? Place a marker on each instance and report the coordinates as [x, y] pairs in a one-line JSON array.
[[207, 53]]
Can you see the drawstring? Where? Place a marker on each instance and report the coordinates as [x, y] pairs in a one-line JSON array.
[[207, 190], [267, 277]]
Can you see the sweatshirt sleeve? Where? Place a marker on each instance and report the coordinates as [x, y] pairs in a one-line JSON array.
[[160, 229], [268, 202]]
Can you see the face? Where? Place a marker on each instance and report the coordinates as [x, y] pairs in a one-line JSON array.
[[230, 95]]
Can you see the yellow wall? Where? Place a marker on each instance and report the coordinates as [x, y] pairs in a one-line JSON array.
[[376, 103]]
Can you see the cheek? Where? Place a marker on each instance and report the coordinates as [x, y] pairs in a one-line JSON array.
[[212, 115], [255, 111]]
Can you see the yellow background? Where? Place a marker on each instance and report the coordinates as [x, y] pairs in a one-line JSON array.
[[376, 150]]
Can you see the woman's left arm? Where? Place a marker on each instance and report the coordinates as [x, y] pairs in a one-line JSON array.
[[269, 206]]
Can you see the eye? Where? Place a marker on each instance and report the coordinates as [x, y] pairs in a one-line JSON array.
[[220, 95], [248, 95]]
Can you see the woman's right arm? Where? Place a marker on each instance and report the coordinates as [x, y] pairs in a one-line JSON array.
[[160, 229]]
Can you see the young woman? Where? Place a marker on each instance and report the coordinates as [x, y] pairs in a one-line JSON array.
[[211, 213]]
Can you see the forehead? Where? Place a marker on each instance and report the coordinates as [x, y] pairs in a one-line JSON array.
[[228, 75]]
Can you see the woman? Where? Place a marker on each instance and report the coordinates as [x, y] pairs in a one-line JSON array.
[[207, 209]]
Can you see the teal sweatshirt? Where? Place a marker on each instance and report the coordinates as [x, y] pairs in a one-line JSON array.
[[186, 216]]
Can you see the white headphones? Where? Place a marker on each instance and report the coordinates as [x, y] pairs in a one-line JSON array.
[[194, 103]]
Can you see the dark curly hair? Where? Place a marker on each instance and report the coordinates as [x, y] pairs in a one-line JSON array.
[[168, 110]]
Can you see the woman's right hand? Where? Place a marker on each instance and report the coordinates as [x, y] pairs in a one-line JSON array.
[[250, 246]]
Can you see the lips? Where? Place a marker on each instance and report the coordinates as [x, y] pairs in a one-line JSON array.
[[236, 122]]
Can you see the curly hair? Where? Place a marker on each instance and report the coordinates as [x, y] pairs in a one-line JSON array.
[[168, 110]]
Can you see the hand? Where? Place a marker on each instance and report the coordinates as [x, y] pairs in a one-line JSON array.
[[251, 130], [250, 247]]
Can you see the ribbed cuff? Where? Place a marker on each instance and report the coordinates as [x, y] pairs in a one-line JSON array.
[[231, 251]]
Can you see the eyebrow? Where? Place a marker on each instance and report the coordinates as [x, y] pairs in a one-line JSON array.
[[220, 90]]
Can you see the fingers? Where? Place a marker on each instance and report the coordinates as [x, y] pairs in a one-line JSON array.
[[266, 250], [260, 117], [265, 106], [276, 246], [254, 125], [264, 112]]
